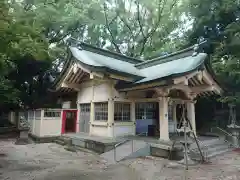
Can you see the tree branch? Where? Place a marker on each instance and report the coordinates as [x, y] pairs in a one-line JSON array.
[[138, 19], [153, 30], [110, 32]]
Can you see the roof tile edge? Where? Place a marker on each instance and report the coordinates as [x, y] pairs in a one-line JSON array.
[[190, 51], [81, 45]]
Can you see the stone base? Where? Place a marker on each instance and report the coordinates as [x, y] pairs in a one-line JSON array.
[[38, 139], [96, 146], [22, 141], [166, 152], [189, 161]]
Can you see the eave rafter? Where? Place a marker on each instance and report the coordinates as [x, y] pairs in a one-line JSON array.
[[199, 82], [74, 75]]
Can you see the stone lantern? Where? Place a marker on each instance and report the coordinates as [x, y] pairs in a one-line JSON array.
[[23, 128], [233, 127]]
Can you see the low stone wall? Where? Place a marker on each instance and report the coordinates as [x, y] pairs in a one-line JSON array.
[[95, 146], [38, 139], [164, 152]]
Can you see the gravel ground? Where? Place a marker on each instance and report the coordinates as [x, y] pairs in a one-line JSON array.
[[53, 162]]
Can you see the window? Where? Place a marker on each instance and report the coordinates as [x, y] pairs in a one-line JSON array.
[[101, 111], [30, 115], [146, 110], [170, 112], [140, 110], [84, 107], [52, 113], [122, 112], [38, 114]]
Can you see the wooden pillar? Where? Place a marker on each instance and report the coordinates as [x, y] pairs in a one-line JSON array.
[[78, 117], [174, 111], [110, 118], [133, 117], [163, 119], [92, 111], [92, 117], [34, 122], [191, 115], [41, 123]]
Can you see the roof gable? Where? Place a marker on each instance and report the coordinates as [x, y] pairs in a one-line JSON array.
[[104, 52], [177, 64]]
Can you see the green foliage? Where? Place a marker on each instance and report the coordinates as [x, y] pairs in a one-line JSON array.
[[34, 33], [219, 21], [21, 38]]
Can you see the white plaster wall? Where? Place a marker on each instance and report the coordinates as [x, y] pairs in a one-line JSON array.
[[119, 95], [124, 129], [66, 105], [99, 131], [51, 127], [97, 93], [129, 95], [85, 95], [31, 123], [102, 92], [36, 129]]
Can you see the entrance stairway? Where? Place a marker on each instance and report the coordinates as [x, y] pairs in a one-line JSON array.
[[209, 148], [63, 140], [127, 149]]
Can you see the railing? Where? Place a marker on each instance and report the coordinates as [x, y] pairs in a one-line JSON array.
[[225, 132], [228, 135], [145, 133], [127, 140], [119, 144], [203, 148]]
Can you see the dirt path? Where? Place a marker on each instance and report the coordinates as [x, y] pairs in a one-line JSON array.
[[53, 162]]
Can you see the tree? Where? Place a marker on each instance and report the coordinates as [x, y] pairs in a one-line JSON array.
[[20, 39], [34, 36], [219, 22], [130, 27]]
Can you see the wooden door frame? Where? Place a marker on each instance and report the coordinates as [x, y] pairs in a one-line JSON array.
[[64, 120]]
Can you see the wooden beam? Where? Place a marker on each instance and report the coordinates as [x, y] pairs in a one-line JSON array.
[[207, 77], [113, 76], [65, 78], [182, 87], [202, 88], [72, 86], [184, 78], [144, 86]]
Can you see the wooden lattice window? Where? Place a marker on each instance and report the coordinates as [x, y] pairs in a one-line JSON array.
[[84, 107], [146, 110], [170, 111], [122, 112], [101, 111], [52, 113]]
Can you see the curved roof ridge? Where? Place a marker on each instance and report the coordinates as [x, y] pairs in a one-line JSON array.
[[105, 52], [172, 56]]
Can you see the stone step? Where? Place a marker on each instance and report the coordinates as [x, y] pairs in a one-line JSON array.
[[208, 144], [213, 154], [210, 151], [60, 142], [64, 138], [210, 155]]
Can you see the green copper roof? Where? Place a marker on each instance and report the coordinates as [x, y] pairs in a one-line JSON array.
[[173, 67], [100, 61], [173, 64]]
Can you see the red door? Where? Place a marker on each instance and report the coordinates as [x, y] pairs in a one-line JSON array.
[[69, 121]]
